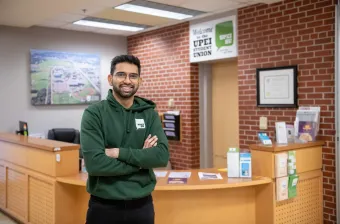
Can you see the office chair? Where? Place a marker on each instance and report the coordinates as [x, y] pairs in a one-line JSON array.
[[69, 135]]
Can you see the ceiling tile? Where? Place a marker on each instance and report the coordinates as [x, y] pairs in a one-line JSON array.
[[89, 10], [52, 23], [172, 2], [68, 17], [116, 14], [108, 3], [210, 6]]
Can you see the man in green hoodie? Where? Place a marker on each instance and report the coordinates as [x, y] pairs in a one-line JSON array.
[[122, 140]]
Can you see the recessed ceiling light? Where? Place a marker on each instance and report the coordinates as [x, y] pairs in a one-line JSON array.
[[153, 12], [107, 25], [158, 9]]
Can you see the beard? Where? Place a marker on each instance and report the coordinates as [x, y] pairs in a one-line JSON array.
[[125, 91]]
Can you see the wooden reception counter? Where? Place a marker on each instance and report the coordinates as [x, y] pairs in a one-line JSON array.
[[230, 200], [40, 184], [28, 171]]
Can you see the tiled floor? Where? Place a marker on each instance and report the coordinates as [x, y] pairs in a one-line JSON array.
[[5, 220]]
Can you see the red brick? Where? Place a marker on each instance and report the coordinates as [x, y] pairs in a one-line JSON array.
[[315, 24], [324, 4], [307, 19], [306, 55], [306, 43], [298, 27], [325, 28], [324, 16], [298, 50], [315, 12], [305, 78], [314, 60], [314, 48], [329, 8], [307, 7]]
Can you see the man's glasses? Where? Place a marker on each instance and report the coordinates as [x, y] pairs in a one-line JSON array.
[[122, 76]]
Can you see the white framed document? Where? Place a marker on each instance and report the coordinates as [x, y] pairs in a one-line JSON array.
[[277, 87]]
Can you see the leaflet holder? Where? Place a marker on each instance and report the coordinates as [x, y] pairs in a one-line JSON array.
[[172, 126]]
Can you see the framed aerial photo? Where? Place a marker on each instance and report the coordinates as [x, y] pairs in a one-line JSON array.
[[64, 78], [277, 87]]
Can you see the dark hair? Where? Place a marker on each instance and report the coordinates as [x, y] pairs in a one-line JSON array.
[[124, 58]]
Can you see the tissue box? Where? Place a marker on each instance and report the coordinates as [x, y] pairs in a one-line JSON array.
[[245, 165], [233, 162]]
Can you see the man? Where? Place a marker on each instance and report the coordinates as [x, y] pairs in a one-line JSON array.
[[122, 140]]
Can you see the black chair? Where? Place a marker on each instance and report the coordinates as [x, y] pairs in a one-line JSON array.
[[69, 135]]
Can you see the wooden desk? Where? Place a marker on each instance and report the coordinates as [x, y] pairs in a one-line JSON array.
[[230, 200], [28, 171], [36, 188], [307, 206]]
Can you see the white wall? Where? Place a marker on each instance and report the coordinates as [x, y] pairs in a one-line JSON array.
[[15, 99]]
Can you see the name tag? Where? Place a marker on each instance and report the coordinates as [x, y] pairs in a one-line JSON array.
[[140, 124]]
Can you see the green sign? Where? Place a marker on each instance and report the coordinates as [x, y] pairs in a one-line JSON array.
[[224, 34]]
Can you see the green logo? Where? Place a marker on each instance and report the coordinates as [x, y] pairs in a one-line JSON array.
[[224, 34]]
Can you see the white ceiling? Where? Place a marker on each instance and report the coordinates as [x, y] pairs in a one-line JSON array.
[[62, 13]]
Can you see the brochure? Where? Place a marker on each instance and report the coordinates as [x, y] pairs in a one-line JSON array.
[[175, 180], [160, 173], [180, 174], [209, 176]]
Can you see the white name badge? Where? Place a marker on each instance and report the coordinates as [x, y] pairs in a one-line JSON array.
[[140, 124]]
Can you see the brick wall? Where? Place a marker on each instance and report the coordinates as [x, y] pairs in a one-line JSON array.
[[299, 33], [167, 73]]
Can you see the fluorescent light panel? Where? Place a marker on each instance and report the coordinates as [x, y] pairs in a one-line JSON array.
[[153, 11], [107, 25]]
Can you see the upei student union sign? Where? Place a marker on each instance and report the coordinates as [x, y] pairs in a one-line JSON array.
[[212, 40]]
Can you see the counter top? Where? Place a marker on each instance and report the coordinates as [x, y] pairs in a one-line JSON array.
[[286, 147], [194, 183], [44, 144]]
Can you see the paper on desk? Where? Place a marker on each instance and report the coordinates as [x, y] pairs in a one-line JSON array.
[[209, 176], [160, 173], [180, 174]]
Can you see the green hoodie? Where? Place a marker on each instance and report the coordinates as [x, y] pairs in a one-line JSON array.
[[108, 124]]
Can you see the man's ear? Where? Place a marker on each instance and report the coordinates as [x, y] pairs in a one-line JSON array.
[[140, 81], [109, 79]]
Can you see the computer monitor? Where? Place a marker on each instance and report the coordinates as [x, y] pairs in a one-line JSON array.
[[23, 128]]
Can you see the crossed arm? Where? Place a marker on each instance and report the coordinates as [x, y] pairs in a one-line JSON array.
[[149, 142], [114, 162]]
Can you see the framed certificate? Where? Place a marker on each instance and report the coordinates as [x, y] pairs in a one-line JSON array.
[[277, 87]]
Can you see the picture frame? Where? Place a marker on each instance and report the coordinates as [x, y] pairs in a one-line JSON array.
[[277, 86]]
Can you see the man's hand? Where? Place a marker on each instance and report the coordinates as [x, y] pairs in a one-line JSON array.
[[113, 153], [150, 142]]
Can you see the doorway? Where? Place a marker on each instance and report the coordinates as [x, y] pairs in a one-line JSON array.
[[225, 117]]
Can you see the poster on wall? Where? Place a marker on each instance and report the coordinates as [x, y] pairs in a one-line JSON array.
[[216, 39], [64, 77]]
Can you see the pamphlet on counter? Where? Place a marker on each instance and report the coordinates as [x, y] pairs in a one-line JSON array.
[[175, 180], [180, 174], [209, 176], [178, 177], [160, 173]]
